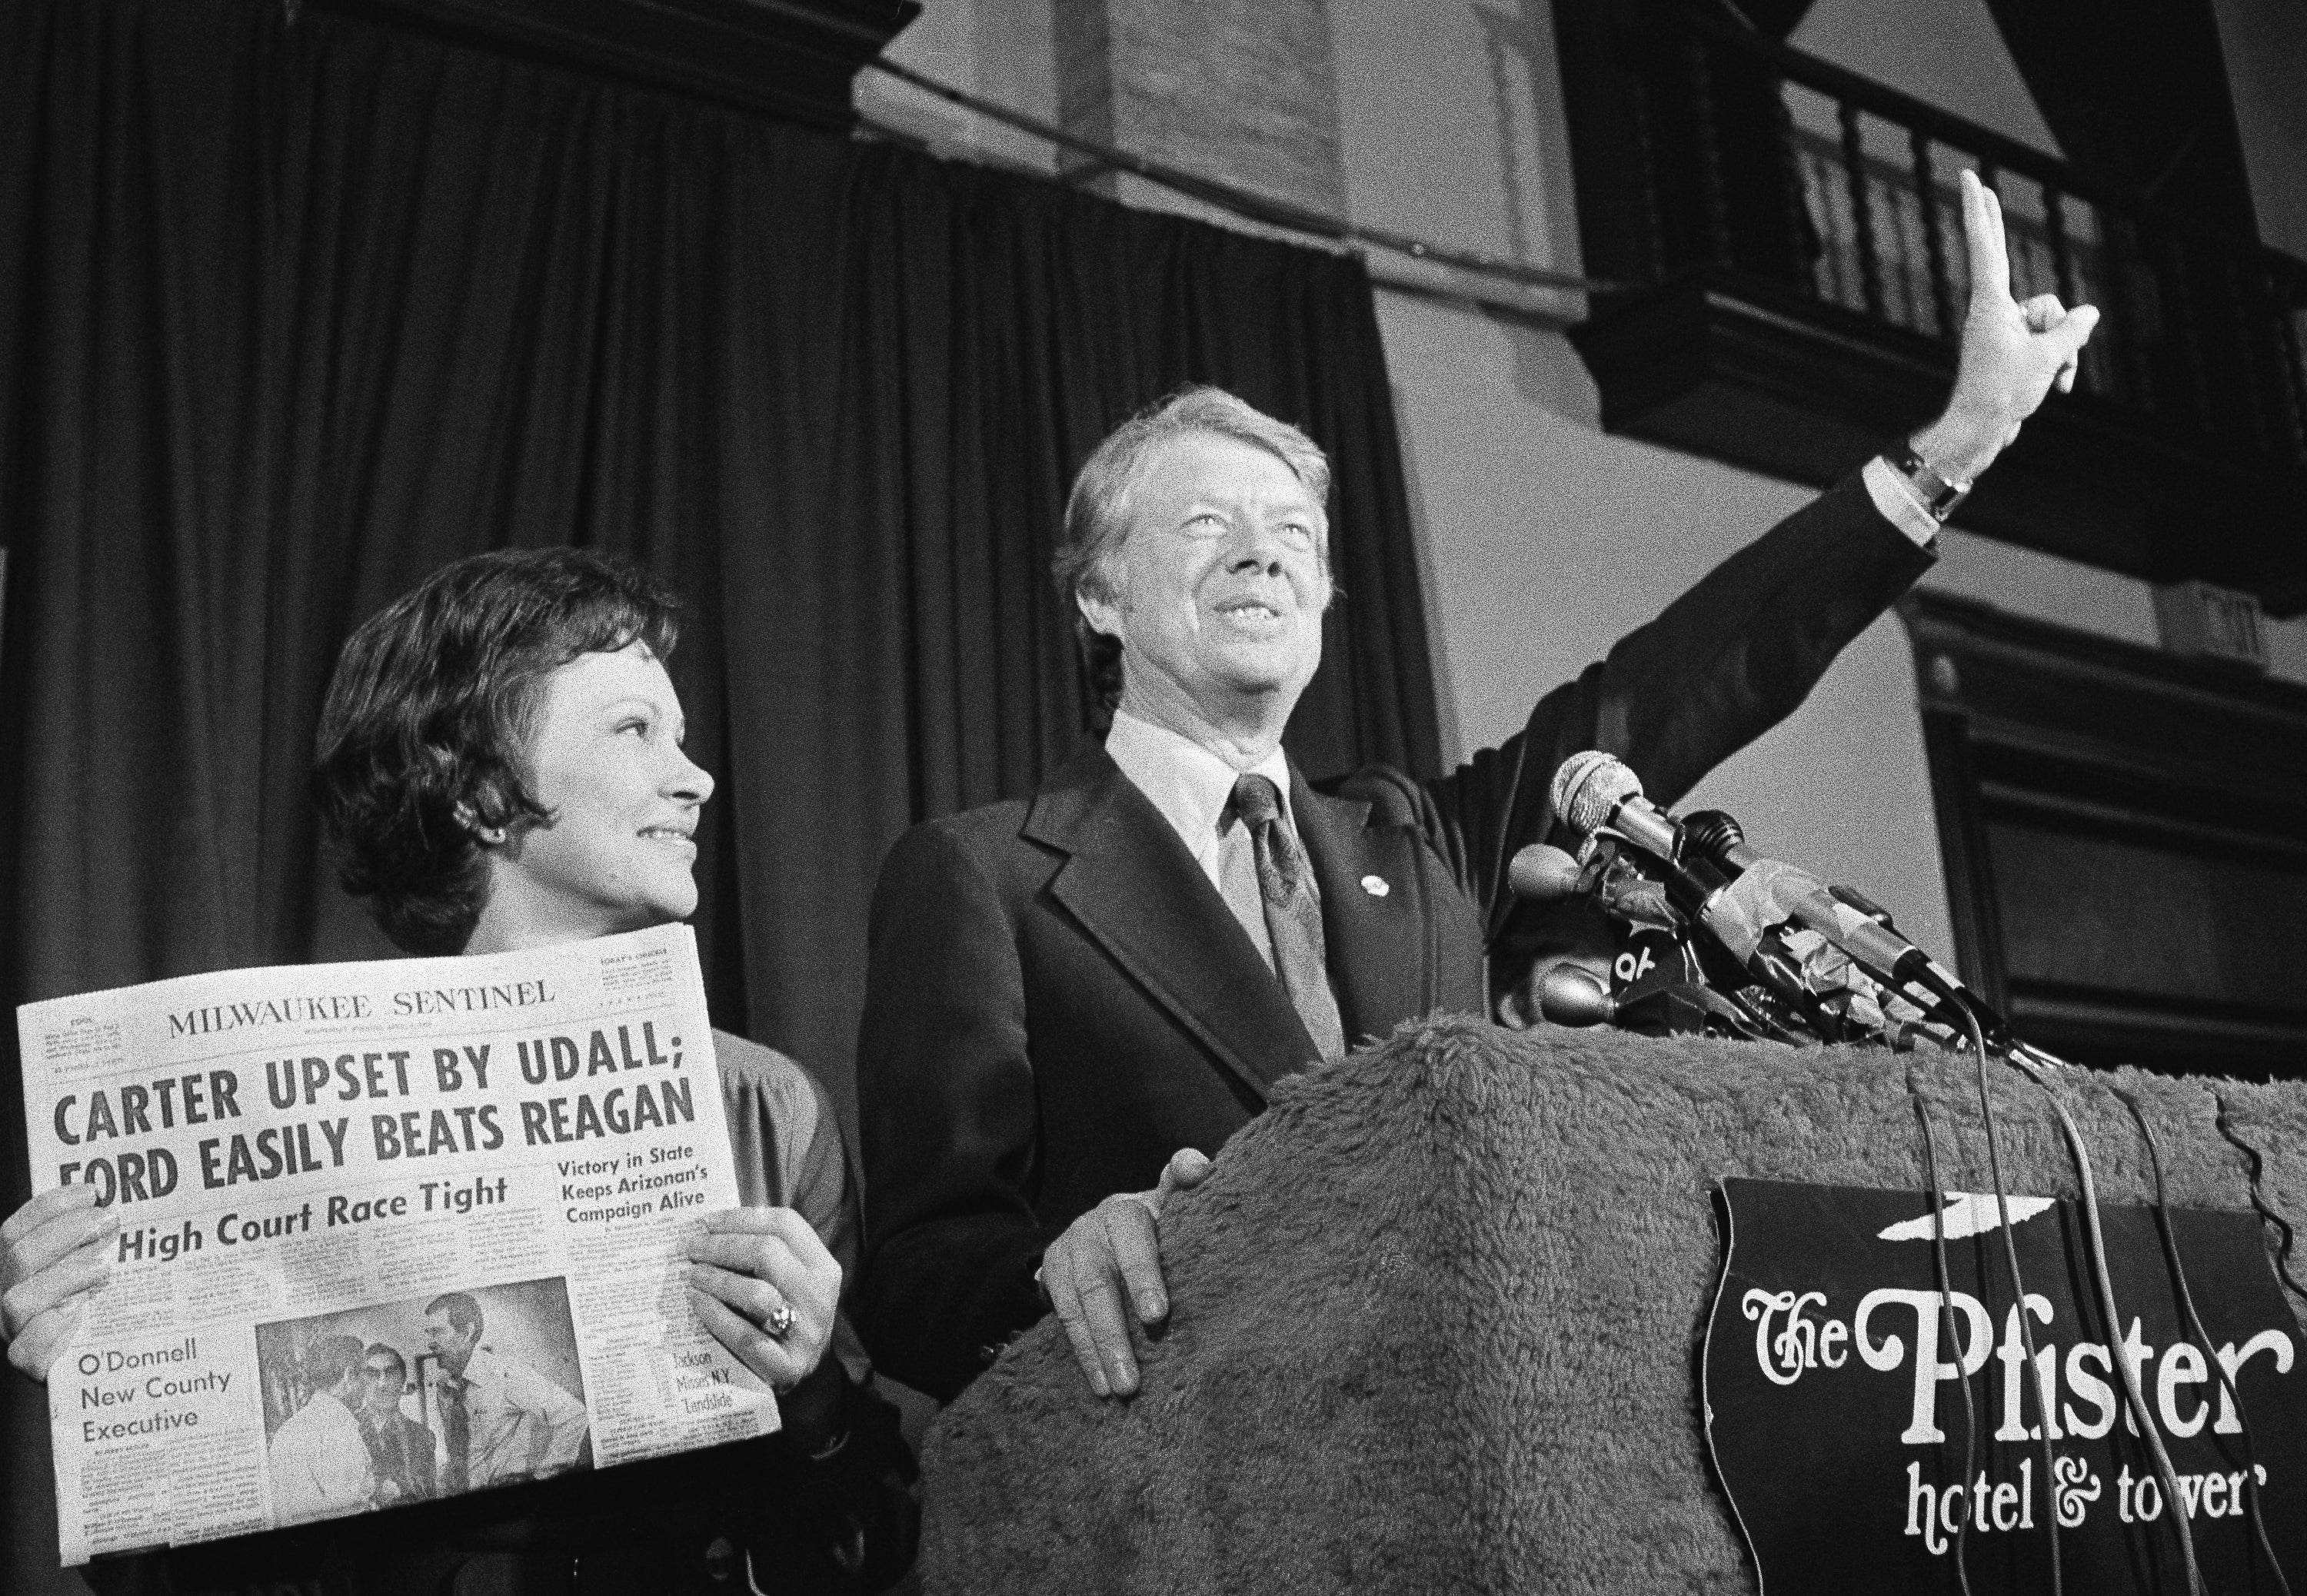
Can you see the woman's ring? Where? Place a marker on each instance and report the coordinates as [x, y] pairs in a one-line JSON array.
[[780, 1320]]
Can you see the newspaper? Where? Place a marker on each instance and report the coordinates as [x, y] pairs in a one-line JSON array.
[[482, 1168]]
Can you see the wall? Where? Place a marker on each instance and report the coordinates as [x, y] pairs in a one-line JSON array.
[[1543, 539], [1001, 50], [2266, 45], [1548, 539], [1948, 52]]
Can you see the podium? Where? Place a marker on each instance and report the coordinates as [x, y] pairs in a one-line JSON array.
[[1436, 1315]]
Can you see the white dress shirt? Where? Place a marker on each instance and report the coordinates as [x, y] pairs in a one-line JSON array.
[[1898, 503], [521, 1424], [319, 1463], [1191, 787]]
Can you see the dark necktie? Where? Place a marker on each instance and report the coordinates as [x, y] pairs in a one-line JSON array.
[[460, 1435], [1293, 912]]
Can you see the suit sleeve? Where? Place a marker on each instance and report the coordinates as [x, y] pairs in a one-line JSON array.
[[559, 1418], [846, 1519], [824, 1194], [948, 1121], [790, 1155], [1722, 665]]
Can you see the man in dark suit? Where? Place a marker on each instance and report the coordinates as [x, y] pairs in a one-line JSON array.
[[400, 1448], [1065, 992]]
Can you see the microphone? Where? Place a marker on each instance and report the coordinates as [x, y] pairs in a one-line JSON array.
[[1594, 791], [1540, 874], [1719, 838], [1770, 893], [1571, 994], [1738, 895], [1543, 874]]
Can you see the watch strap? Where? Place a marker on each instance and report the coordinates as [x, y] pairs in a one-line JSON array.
[[1934, 491]]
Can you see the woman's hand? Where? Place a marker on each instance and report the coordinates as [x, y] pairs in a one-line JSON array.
[[764, 1284], [52, 1260]]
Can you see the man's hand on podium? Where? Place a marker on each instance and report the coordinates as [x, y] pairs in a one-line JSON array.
[[1112, 1254]]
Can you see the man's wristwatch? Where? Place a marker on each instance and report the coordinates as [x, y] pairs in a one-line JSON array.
[[1938, 494]]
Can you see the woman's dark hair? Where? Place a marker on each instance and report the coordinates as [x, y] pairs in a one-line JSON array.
[[422, 732]]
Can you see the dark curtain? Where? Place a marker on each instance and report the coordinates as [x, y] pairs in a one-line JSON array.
[[294, 309]]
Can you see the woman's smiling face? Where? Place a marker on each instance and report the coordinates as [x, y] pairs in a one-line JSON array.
[[605, 760]]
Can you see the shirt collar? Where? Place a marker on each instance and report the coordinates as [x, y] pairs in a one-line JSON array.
[[1187, 782], [479, 1367]]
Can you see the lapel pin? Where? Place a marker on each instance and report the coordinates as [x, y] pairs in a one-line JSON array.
[[1375, 886]]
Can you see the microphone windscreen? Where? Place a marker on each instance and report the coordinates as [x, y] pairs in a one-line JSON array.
[[1543, 874], [1571, 994], [1589, 787]]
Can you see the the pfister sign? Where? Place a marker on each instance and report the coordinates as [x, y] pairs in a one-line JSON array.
[[1836, 1380]]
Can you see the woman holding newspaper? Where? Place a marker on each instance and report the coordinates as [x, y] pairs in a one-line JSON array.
[[500, 768]]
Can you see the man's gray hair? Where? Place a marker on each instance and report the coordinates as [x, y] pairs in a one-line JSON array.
[[1097, 510]]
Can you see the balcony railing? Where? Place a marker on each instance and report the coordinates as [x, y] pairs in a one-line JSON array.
[[1711, 159], [2182, 315]]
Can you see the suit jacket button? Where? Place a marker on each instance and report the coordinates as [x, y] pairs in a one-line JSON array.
[[1375, 886]]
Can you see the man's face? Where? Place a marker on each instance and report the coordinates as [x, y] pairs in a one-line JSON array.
[[1217, 591], [444, 1341], [381, 1382]]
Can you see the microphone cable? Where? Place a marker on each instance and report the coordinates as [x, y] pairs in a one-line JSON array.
[[1713, 839], [1946, 1311], [2018, 1295], [2256, 1165], [2166, 1477], [2258, 1201], [2203, 1336]]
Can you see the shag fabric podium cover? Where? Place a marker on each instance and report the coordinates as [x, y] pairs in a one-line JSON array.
[[1437, 1314]]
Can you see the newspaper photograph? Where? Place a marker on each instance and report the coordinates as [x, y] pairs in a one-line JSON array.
[[388, 1231]]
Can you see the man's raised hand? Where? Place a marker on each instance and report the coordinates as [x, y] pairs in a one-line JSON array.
[[2011, 354], [1110, 1256]]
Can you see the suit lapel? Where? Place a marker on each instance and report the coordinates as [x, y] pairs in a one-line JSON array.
[[1135, 890], [1371, 912]]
